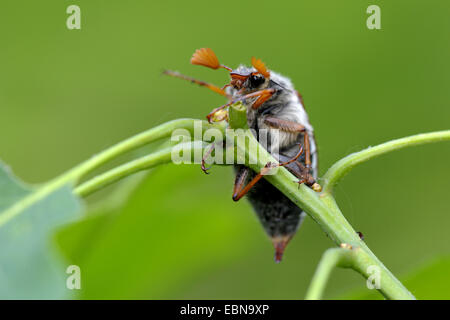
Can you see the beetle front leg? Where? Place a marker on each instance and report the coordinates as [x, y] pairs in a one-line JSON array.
[[205, 156], [262, 96]]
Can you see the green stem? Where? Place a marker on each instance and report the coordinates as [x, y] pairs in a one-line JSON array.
[[321, 207], [144, 163], [347, 256], [365, 258], [331, 220], [323, 210], [122, 171], [340, 168], [75, 174], [335, 257]]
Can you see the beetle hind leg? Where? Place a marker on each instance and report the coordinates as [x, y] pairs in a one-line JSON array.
[[303, 172]]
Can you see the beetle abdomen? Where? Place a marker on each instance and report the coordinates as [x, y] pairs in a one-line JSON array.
[[279, 216]]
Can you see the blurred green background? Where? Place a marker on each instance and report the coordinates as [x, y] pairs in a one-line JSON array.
[[68, 94]]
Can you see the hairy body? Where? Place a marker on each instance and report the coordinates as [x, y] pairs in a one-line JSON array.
[[278, 215]]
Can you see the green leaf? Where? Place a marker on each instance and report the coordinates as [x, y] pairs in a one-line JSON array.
[[432, 281], [11, 189], [30, 267]]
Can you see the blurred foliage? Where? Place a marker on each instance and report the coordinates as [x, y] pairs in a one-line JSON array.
[[30, 267], [65, 95], [192, 235]]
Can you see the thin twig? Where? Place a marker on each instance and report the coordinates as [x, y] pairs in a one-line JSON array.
[[332, 258], [343, 166]]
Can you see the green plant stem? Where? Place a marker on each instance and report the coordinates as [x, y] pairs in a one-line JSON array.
[[340, 168], [331, 220], [72, 176], [345, 257], [335, 257], [144, 163], [321, 207], [237, 116], [237, 120], [323, 210], [122, 171]]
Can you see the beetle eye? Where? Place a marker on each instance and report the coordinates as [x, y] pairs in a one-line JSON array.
[[256, 80]]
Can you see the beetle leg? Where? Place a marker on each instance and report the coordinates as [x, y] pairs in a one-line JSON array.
[[239, 189], [210, 115], [262, 96], [300, 97], [294, 159], [205, 156], [239, 182], [284, 125], [294, 127]]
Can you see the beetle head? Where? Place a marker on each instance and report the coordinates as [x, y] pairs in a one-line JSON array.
[[241, 78]]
